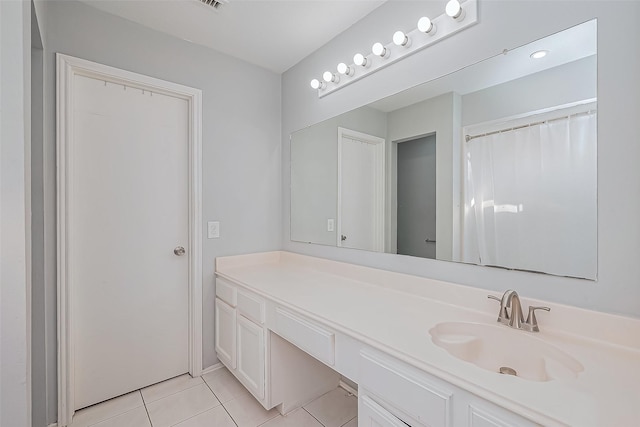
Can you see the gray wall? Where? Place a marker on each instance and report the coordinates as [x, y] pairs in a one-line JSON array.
[[502, 24], [572, 82], [15, 204], [315, 167], [241, 141]]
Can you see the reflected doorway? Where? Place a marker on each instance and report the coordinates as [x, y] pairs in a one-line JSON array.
[[416, 194]]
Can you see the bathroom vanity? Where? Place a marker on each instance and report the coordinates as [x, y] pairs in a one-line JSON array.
[[421, 351]]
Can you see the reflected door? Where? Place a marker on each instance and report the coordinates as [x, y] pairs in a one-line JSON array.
[[417, 197], [360, 191]]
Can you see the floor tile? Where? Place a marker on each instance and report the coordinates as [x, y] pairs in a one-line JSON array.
[[246, 411], [135, 418], [334, 409], [216, 417], [105, 410], [169, 387], [180, 406], [297, 418], [352, 423], [224, 385]]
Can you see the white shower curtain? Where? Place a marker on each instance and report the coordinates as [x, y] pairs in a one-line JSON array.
[[530, 198]]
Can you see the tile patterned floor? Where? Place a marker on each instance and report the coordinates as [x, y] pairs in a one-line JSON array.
[[215, 400]]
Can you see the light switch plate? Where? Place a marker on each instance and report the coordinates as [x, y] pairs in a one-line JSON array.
[[213, 229], [330, 224]]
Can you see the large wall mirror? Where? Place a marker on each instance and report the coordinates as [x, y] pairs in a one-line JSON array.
[[494, 164]]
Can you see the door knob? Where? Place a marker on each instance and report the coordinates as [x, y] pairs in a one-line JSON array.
[[179, 251]]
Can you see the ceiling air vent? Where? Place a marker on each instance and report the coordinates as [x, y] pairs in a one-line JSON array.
[[214, 3]]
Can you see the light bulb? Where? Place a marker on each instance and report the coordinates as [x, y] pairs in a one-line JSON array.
[[345, 69], [400, 39], [317, 84], [360, 60], [539, 54], [379, 49], [426, 26], [328, 76], [454, 10]]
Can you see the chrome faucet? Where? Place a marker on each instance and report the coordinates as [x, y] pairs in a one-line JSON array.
[[511, 312]]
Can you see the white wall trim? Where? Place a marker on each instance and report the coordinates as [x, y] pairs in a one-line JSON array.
[[212, 368], [67, 68], [348, 388]]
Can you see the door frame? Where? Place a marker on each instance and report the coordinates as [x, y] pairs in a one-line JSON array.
[[379, 165], [67, 68]]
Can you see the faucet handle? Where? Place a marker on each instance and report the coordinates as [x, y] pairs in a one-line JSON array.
[[531, 323], [503, 317]]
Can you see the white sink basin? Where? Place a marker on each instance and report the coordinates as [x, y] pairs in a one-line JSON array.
[[498, 347]]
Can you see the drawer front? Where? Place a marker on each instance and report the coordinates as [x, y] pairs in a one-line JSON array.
[[310, 337], [483, 414], [406, 388], [226, 291], [370, 414], [250, 306]]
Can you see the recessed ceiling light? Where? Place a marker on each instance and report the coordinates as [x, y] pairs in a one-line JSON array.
[[539, 54]]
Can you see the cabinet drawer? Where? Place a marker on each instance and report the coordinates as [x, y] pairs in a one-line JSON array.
[[311, 338], [226, 291], [406, 388], [370, 414], [483, 414], [250, 306]]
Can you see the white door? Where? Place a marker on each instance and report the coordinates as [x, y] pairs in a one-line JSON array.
[[130, 212], [251, 356], [360, 191]]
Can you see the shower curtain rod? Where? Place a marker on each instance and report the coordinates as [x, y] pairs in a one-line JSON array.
[[470, 137]]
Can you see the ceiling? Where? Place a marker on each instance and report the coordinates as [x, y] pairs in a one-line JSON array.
[[274, 34], [564, 47]]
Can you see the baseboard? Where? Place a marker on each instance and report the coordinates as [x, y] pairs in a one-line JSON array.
[[53, 425], [210, 369], [348, 388]]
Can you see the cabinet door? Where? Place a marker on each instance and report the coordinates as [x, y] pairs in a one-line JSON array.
[[251, 358], [370, 414], [225, 330]]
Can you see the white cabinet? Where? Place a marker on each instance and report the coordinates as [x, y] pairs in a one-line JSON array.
[[393, 393], [481, 413], [240, 336], [370, 414], [276, 372], [251, 360], [225, 331], [287, 358]]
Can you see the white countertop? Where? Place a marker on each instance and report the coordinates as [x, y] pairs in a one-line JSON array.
[[394, 313]]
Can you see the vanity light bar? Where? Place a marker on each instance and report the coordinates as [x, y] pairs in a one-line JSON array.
[[458, 16]]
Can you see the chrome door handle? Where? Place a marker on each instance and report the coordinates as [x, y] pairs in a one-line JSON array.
[[179, 251]]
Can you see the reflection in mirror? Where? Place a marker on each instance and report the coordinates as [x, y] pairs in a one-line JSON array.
[[494, 164]]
